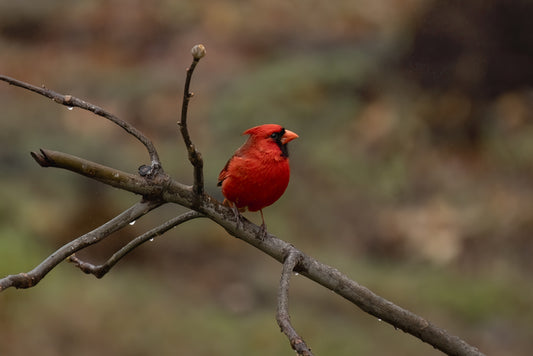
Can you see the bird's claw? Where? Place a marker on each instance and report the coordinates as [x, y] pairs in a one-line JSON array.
[[238, 217], [262, 231]]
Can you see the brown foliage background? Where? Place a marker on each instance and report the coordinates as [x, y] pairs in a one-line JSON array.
[[412, 172]]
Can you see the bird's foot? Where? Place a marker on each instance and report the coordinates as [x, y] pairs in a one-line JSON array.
[[262, 231], [238, 217]]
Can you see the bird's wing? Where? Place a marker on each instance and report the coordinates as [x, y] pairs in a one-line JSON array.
[[224, 173], [241, 152]]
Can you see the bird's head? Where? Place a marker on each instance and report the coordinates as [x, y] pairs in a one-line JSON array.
[[272, 134]]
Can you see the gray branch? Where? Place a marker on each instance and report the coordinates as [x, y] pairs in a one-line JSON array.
[[195, 157], [31, 278], [71, 101], [158, 188], [282, 316], [101, 270]]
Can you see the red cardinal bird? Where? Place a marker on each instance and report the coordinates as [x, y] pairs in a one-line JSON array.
[[258, 172]]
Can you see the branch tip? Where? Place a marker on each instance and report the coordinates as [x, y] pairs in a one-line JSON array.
[[41, 158], [198, 52]]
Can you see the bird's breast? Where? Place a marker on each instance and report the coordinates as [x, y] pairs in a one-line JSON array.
[[256, 182]]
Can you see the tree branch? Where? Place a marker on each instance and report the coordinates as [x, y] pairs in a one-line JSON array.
[[150, 188], [282, 315], [334, 280], [383, 309], [195, 157], [30, 279], [100, 270], [71, 101], [158, 189]]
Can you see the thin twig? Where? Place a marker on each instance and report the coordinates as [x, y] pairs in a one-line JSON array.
[[195, 157], [30, 279], [282, 315], [71, 101], [100, 270]]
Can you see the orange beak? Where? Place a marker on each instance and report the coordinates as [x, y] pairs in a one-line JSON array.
[[288, 137]]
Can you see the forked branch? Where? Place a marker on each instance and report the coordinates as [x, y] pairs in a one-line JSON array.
[[158, 188], [100, 270], [30, 279]]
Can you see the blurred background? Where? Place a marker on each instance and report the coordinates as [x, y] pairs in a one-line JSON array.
[[413, 173]]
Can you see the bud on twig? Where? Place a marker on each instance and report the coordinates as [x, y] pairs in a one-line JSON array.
[[198, 51]]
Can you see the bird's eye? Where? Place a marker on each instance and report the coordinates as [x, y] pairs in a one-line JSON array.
[[278, 135]]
